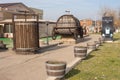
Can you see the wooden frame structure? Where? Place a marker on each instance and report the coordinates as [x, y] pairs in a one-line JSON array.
[[68, 25], [25, 33]]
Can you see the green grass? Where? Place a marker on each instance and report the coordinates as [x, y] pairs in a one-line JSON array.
[[103, 64], [116, 36], [7, 41], [49, 38]]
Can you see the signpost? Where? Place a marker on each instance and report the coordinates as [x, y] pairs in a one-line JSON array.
[[107, 28]]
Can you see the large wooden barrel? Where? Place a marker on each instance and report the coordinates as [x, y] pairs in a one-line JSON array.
[[80, 51], [68, 25], [56, 68], [26, 36]]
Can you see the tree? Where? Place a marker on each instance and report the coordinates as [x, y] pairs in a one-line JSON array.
[[107, 11]]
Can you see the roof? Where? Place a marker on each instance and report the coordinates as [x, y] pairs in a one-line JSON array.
[[17, 20], [12, 4], [8, 4], [37, 10]]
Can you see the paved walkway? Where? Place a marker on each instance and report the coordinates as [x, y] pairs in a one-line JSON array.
[[32, 67]]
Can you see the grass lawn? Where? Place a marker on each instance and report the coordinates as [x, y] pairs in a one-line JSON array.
[[103, 64], [49, 38], [7, 41]]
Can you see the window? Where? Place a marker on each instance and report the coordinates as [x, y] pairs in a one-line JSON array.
[[8, 28], [15, 17]]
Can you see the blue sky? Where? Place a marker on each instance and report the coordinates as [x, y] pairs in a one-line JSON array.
[[82, 9]]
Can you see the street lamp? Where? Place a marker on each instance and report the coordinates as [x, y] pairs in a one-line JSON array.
[[47, 24]]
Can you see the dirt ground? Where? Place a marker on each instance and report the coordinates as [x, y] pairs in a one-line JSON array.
[[32, 67]]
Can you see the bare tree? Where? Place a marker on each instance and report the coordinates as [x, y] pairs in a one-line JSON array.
[[107, 11]]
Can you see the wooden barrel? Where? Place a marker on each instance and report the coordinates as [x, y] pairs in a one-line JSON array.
[[80, 51], [56, 68], [91, 46], [68, 26], [101, 40], [97, 43], [26, 36]]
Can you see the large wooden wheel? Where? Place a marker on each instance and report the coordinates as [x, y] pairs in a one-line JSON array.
[[54, 35], [76, 34]]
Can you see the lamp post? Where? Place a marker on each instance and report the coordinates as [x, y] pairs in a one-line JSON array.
[[47, 24]]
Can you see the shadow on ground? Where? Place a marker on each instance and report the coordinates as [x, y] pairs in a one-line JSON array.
[[89, 57], [3, 50], [116, 39], [42, 49], [86, 39], [72, 73], [97, 49], [83, 40], [49, 48]]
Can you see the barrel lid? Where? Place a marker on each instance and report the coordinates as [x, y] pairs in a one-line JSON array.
[[55, 62]]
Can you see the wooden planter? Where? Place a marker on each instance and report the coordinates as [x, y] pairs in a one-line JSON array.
[[101, 40], [80, 51], [97, 43], [56, 68], [91, 46]]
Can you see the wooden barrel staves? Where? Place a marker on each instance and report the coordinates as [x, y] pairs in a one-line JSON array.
[[101, 40], [68, 26], [80, 51], [26, 36], [98, 43], [56, 69], [91, 46]]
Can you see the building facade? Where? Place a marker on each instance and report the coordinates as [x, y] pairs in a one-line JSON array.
[[90, 25], [6, 13], [39, 12], [7, 9], [87, 25]]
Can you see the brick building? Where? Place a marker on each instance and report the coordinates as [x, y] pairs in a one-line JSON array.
[[90, 25], [86, 24]]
